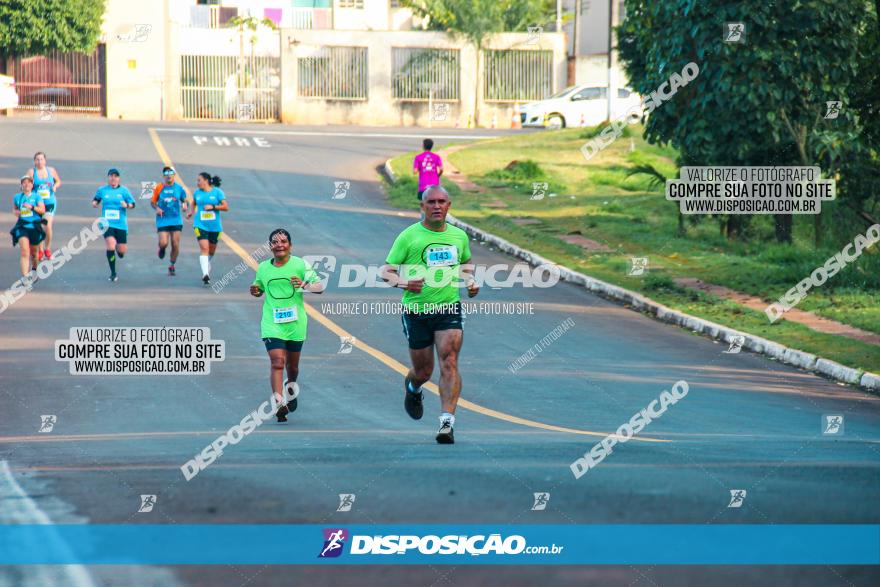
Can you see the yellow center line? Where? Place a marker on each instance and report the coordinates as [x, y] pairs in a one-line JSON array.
[[390, 361]]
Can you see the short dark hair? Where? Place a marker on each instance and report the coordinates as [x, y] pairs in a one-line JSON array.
[[280, 231], [428, 144]]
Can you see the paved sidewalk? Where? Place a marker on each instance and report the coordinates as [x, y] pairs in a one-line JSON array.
[[794, 315]]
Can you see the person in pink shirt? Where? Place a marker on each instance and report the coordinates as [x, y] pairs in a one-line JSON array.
[[429, 166]]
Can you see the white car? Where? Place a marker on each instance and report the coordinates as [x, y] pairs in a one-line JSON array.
[[583, 105], [8, 96]]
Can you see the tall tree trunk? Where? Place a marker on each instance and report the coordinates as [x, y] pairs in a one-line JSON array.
[[734, 227], [783, 227]]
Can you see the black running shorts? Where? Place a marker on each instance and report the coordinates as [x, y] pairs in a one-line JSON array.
[[419, 328]]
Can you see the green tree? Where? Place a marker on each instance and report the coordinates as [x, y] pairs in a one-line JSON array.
[[762, 102], [252, 24], [859, 159], [477, 20], [33, 28]]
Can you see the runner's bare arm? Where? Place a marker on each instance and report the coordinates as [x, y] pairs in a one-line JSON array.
[[390, 274], [55, 177], [466, 272]]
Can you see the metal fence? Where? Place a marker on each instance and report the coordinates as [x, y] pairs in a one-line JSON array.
[[418, 72], [214, 87], [70, 81], [338, 73], [517, 75]]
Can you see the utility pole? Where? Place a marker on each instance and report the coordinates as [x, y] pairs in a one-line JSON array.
[[558, 16], [575, 44], [610, 39]]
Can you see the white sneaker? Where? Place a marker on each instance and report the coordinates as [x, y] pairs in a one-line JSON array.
[[444, 435]]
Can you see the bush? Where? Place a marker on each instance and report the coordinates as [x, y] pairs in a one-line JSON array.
[[526, 170], [592, 131], [654, 282], [520, 175]]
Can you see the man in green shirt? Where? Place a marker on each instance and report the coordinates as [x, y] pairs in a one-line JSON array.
[[430, 260], [283, 279]]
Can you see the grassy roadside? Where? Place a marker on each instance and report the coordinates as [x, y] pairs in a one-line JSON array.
[[627, 215]]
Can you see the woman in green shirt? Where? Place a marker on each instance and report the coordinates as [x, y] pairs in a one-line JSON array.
[[283, 328]]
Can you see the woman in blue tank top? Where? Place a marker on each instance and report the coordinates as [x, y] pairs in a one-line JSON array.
[[206, 203], [46, 184]]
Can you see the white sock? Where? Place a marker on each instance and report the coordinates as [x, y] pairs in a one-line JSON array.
[[447, 416], [205, 264]]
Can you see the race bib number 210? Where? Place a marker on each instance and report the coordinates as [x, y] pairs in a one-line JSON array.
[[284, 315]]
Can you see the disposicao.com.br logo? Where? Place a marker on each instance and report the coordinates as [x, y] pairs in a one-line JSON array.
[[452, 544]]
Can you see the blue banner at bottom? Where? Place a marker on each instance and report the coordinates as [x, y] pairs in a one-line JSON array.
[[355, 544]]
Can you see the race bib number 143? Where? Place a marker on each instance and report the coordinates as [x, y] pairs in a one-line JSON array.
[[442, 256]]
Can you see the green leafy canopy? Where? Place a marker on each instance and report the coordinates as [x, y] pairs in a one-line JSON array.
[[34, 27], [474, 19]]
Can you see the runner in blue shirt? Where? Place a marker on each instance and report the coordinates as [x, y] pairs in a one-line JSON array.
[[207, 202], [46, 184], [27, 233], [114, 199], [168, 200]]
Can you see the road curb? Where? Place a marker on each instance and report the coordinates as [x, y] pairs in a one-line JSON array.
[[389, 173], [783, 354]]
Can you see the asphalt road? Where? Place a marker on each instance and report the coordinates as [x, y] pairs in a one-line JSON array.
[[747, 422]]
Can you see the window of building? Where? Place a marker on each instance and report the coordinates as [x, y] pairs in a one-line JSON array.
[[335, 72], [421, 74], [517, 75]]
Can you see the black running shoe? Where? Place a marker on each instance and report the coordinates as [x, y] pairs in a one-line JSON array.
[[171, 271], [282, 412], [412, 402], [291, 405], [206, 279], [444, 435], [113, 278], [161, 253]]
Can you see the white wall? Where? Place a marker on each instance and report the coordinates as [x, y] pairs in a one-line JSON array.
[[593, 69], [136, 67], [143, 77], [374, 16], [380, 108], [194, 41]]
